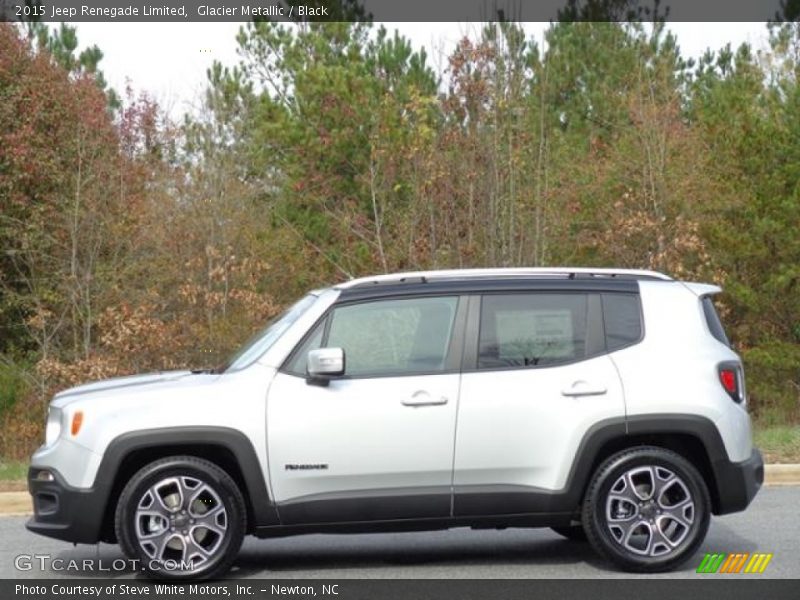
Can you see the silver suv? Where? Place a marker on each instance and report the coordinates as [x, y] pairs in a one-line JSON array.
[[605, 404]]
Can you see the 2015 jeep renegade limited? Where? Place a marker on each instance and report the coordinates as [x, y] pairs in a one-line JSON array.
[[605, 404]]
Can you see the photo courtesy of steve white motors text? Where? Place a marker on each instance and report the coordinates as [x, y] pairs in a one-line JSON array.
[[192, 590]]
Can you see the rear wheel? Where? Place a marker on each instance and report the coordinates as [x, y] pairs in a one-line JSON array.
[[647, 509], [182, 517]]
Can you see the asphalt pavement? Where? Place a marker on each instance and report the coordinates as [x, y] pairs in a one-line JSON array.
[[771, 525]]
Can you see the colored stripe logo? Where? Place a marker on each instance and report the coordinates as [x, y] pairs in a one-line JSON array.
[[741, 562]]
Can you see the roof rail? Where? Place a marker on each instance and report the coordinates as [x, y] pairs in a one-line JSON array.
[[517, 272]]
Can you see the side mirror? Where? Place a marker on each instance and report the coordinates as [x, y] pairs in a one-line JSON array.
[[324, 364]]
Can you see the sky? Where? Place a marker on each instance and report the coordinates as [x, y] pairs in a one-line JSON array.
[[169, 60]]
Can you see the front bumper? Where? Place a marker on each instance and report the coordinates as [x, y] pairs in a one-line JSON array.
[[64, 512], [738, 483]]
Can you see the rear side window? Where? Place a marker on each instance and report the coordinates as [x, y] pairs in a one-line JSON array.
[[528, 330], [623, 320], [712, 319]]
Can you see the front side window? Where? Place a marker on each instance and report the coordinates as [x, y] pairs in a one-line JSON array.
[[298, 362], [530, 330], [393, 337]]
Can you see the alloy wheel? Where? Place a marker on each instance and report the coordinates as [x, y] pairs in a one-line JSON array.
[[181, 521], [649, 510]]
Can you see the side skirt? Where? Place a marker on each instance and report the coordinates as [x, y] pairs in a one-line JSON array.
[[434, 524]]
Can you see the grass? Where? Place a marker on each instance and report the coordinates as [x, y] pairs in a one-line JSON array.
[[778, 443], [13, 470], [13, 475]]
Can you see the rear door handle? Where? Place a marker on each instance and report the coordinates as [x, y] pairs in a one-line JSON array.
[[582, 388], [423, 398]]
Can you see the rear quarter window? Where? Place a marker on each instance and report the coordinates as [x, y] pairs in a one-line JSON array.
[[622, 317]]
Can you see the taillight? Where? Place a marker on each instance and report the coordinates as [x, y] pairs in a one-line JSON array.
[[730, 377]]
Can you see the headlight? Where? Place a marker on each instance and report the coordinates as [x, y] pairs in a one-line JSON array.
[[53, 428]]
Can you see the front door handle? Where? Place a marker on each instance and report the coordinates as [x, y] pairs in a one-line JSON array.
[[423, 398], [582, 388]]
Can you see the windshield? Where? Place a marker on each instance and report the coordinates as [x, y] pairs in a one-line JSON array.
[[263, 340]]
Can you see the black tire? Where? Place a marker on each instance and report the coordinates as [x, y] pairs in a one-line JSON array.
[[574, 533], [208, 521], [647, 534]]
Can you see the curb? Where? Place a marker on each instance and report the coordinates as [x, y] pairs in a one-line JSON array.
[[782, 474], [19, 503], [14, 504]]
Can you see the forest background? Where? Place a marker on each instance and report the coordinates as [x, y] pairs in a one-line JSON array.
[[132, 242]]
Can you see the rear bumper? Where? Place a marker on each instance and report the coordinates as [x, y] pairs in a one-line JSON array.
[[63, 512], [738, 483]]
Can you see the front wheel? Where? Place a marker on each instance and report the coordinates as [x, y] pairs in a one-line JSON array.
[[646, 509], [181, 517]]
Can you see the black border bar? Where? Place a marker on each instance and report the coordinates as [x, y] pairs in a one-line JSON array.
[[181, 11], [705, 586]]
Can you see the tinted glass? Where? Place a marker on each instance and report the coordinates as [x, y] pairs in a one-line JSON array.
[[394, 337], [299, 360], [524, 330], [714, 324], [623, 320]]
